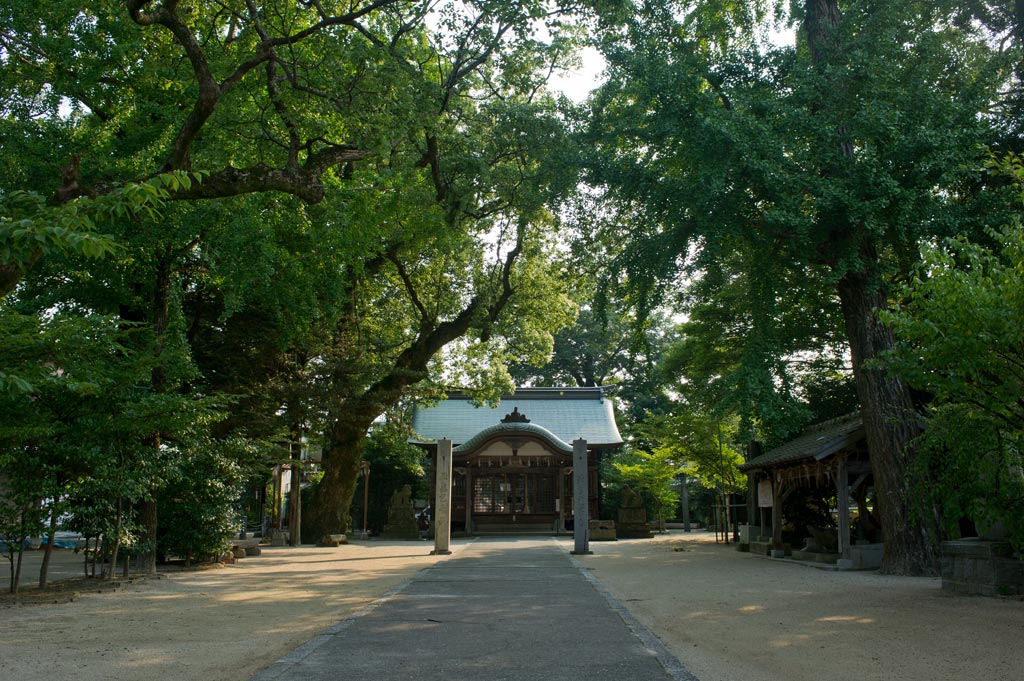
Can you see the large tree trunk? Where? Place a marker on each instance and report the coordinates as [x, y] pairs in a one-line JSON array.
[[890, 426], [160, 321], [147, 519], [329, 512]]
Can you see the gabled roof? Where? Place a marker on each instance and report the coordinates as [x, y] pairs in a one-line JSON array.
[[511, 430], [568, 413], [818, 442]]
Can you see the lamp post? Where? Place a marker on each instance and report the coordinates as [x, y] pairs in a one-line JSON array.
[[365, 466]]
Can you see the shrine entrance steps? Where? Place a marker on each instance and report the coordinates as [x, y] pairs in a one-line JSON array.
[[500, 609]]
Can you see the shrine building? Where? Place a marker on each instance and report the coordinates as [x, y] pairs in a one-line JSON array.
[[512, 464]]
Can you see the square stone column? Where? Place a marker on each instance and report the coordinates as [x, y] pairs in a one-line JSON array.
[[443, 499], [580, 498]]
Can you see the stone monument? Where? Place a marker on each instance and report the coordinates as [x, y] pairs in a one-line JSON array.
[[401, 517], [632, 522]]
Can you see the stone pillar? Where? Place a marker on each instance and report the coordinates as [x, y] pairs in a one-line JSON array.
[[443, 499], [580, 498]]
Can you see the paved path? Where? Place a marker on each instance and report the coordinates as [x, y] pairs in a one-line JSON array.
[[500, 610]]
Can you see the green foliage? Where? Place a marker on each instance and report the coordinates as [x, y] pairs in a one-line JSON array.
[[652, 474], [393, 463], [701, 445], [90, 434], [961, 324], [197, 506], [791, 183], [30, 228]]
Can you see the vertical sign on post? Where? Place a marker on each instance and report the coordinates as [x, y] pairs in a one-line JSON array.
[[580, 498], [443, 499]]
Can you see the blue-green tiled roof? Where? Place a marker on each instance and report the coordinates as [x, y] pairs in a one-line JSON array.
[[568, 413]]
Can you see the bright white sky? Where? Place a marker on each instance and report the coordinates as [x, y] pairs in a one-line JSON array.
[[577, 83]]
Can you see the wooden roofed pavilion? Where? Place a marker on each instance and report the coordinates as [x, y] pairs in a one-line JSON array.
[[833, 453]]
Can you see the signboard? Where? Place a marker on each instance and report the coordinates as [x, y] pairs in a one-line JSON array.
[[764, 494]]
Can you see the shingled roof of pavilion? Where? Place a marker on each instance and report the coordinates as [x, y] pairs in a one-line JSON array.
[[816, 443]]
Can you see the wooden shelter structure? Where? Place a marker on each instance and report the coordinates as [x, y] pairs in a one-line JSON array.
[[512, 463], [832, 453]]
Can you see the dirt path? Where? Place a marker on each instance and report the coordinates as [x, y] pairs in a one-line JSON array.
[[222, 623], [726, 615], [730, 615]]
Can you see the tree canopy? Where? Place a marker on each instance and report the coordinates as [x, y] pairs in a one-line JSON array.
[[801, 175], [229, 225]]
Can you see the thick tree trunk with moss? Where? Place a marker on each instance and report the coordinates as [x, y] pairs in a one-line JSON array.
[[890, 426], [329, 512]]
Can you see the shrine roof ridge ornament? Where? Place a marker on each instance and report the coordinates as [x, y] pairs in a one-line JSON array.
[[515, 417]]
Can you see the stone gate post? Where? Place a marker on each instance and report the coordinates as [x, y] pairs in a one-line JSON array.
[[580, 498], [443, 499]]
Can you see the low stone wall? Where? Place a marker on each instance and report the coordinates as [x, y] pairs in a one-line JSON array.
[[978, 566], [826, 557]]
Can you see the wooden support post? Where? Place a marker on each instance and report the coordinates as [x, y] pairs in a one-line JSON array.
[[777, 545], [685, 500], [580, 498], [469, 499], [295, 505], [561, 499], [443, 499], [843, 512]]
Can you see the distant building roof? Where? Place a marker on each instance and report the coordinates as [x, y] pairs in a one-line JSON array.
[[816, 443], [568, 413]]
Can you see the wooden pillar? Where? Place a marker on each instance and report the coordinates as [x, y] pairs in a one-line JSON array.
[[469, 499], [843, 512], [560, 491], [580, 498], [776, 512], [443, 496], [295, 505]]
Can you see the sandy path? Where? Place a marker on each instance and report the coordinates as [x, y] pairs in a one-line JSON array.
[[224, 623], [730, 615], [725, 614]]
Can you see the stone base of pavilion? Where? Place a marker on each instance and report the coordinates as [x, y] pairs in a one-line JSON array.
[[826, 557]]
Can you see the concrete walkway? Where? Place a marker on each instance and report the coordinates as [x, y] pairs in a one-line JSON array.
[[499, 609]]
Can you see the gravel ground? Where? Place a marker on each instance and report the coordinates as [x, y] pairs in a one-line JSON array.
[[726, 615], [730, 615]]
